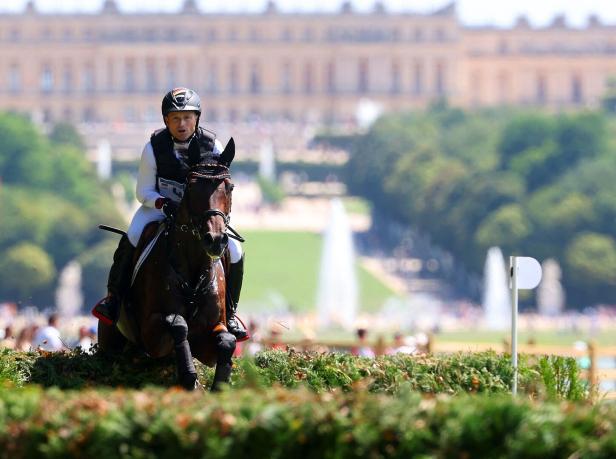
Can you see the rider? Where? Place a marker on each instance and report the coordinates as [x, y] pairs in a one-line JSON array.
[[160, 184]]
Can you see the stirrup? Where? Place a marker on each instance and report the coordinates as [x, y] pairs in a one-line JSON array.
[[243, 338]]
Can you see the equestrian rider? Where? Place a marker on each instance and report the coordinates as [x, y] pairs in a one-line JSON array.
[[160, 184]]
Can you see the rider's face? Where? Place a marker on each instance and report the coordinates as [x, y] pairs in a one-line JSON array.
[[181, 124]]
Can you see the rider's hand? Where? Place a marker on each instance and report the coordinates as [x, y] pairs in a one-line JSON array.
[[168, 207]]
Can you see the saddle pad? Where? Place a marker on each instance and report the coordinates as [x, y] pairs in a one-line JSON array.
[[146, 251]]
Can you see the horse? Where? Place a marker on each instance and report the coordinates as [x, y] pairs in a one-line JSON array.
[[177, 299]]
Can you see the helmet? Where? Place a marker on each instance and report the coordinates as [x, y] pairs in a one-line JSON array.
[[181, 100]]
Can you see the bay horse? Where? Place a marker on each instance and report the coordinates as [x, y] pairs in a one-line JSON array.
[[177, 299]]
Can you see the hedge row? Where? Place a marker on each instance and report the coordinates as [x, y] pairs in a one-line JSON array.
[[280, 423], [488, 372]]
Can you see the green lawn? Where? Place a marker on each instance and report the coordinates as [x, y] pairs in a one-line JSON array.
[[282, 268]]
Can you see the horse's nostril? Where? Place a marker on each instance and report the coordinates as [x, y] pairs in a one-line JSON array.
[[209, 238], [224, 240]]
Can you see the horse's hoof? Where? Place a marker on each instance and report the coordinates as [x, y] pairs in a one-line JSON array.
[[190, 381]]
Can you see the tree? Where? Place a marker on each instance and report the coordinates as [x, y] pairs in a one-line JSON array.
[[609, 98], [591, 264], [95, 263], [66, 134], [25, 270]]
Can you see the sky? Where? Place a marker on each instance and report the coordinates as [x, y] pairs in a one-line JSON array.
[[471, 12]]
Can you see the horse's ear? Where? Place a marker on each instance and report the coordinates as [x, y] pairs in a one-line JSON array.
[[194, 152], [228, 153]]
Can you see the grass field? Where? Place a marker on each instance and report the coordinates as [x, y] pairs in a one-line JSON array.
[[282, 270]]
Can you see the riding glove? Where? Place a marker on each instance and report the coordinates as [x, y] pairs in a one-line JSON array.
[[168, 207]]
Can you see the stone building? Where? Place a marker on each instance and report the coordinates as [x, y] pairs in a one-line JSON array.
[[114, 67]]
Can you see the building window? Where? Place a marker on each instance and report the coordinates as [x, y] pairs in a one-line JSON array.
[[330, 77], [255, 79], [171, 76], [503, 47], [308, 35], [363, 76], [67, 114], [14, 79], [577, 94], [211, 35], [395, 78], [89, 114], [88, 35], [67, 79], [308, 78], [130, 114], [439, 35], [47, 116], [286, 35], [151, 114], [212, 78], [418, 76], [110, 76], [233, 78], [46, 79], [129, 75], [541, 89], [151, 77], [255, 35], [418, 34], [15, 35], [89, 82], [439, 78], [286, 78]]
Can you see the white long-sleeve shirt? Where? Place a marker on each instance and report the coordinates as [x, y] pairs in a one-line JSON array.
[[147, 191]]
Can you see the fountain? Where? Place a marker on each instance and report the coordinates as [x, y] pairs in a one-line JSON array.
[[69, 297], [337, 294], [267, 161], [496, 296], [550, 294], [103, 159]]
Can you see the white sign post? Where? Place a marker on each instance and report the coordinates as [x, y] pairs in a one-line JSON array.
[[525, 274]]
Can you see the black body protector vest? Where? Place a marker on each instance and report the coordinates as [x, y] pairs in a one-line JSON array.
[[170, 171]]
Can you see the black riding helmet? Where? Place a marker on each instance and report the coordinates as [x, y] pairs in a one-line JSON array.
[[181, 100]]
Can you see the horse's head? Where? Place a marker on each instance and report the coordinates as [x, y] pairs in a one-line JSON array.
[[207, 202]]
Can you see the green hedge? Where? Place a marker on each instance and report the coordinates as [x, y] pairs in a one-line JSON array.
[[279, 423], [546, 377]]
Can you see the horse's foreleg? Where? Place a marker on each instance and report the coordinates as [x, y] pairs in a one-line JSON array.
[[178, 328], [225, 346]]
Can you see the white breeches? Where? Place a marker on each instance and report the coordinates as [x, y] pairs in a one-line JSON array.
[[145, 215]]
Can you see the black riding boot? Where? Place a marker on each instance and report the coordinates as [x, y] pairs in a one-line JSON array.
[[234, 287], [119, 281]]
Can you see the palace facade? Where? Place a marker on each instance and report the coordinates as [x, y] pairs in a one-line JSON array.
[[114, 67]]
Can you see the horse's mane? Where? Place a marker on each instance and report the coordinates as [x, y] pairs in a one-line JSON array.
[[209, 171]]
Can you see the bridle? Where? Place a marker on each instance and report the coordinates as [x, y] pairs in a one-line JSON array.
[[194, 228], [206, 171]]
